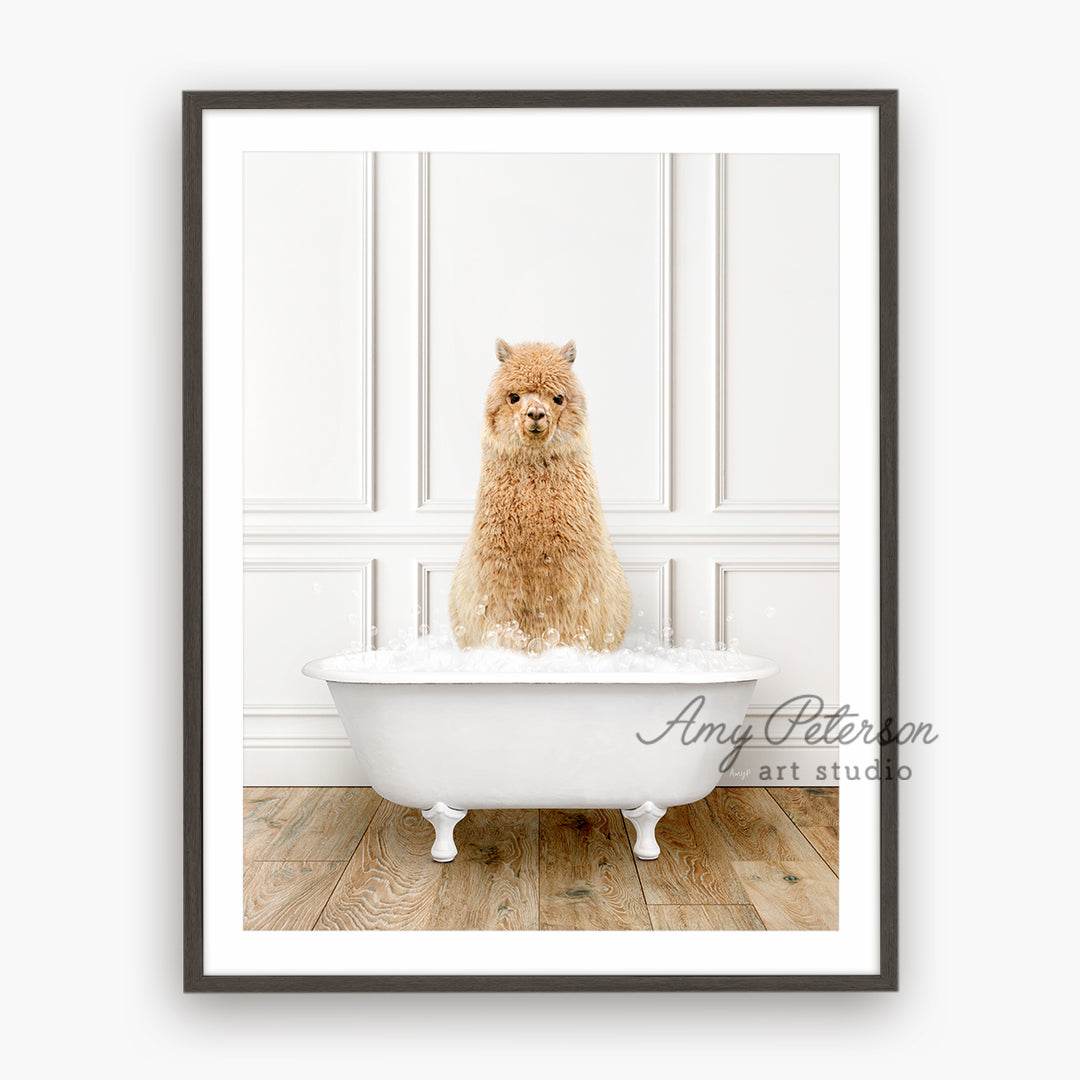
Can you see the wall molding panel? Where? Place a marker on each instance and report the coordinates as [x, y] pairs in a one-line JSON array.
[[320, 564], [724, 503], [660, 502], [311, 563], [661, 569], [424, 570], [364, 503], [719, 292], [721, 571]]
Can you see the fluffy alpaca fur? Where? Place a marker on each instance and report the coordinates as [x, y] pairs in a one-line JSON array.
[[539, 553]]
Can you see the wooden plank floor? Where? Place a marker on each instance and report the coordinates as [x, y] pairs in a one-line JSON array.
[[346, 859]]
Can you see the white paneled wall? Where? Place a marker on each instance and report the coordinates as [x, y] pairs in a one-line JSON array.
[[702, 294]]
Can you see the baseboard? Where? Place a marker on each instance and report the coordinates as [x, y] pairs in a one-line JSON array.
[[312, 750], [313, 766]]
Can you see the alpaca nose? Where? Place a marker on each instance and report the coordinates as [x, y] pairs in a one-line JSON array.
[[535, 412]]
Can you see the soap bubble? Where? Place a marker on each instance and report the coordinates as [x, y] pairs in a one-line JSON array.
[[730, 618], [641, 614], [512, 651], [770, 612], [548, 599], [480, 609]]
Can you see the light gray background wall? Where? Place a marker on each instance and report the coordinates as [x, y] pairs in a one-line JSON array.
[[91, 437]]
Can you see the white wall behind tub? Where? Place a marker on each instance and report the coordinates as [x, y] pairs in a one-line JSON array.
[[702, 293]]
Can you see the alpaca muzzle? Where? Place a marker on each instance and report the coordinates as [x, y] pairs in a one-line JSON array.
[[535, 418]]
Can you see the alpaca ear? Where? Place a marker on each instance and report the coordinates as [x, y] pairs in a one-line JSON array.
[[502, 350], [569, 352]]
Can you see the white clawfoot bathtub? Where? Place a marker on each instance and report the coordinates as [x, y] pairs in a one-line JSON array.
[[450, 742]]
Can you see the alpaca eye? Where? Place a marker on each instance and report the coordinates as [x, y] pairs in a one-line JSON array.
[[558, 399], [514, 397]]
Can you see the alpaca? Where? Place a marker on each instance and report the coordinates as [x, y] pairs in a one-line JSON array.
[[539, 554]]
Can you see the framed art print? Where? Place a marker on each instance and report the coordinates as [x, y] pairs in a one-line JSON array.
[[540, 540]]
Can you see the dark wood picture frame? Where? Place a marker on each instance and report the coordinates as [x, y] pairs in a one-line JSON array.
[[194, 105]]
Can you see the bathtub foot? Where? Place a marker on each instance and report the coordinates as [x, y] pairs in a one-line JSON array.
[[444, 818], [645, 818]]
